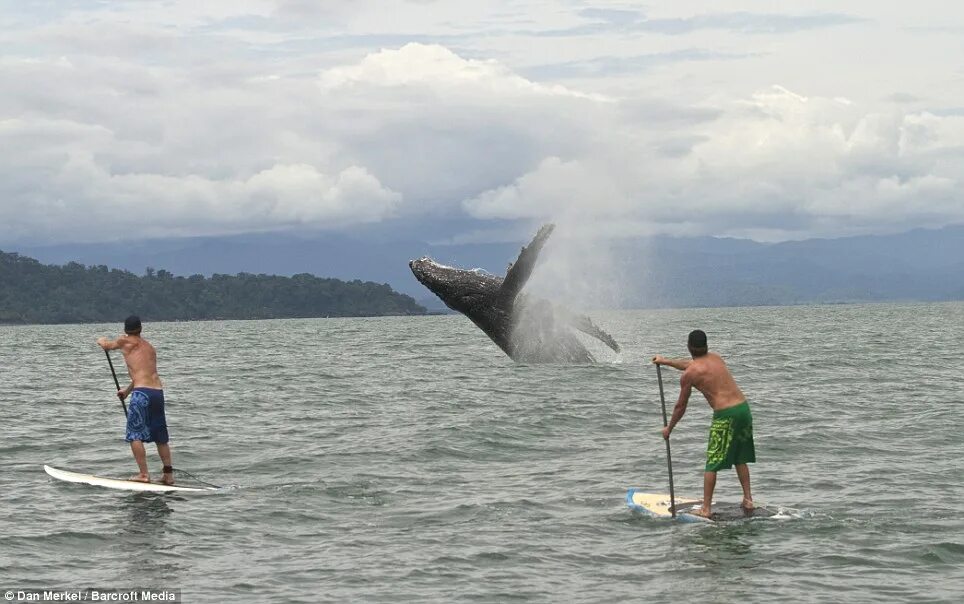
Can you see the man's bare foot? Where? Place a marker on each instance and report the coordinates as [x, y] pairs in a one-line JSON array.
[[167, 478], [703, 513], [140, 478], [747, 505]]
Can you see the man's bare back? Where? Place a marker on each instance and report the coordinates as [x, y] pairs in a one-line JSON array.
[[710, 375], [141, 359]]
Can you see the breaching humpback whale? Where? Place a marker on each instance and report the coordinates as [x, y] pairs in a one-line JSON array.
[[528, 329]]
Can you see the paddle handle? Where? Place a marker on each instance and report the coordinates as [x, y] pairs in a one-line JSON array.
[[116, 383], [669, 457]]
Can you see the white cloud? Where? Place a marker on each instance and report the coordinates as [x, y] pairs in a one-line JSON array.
[[83, 200], [795, 154], [436, 68], [778, 162], [440, 127], [555, 187]]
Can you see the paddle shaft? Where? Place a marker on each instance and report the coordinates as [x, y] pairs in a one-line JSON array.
[[669, 457], [124, 406]]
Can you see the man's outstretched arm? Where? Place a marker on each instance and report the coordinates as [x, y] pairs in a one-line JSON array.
[[108, 344], [680, 364]]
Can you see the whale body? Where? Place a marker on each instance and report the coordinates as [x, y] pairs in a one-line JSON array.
[[527, 328]]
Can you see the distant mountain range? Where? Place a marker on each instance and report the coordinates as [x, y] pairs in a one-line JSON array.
[[919, 265], [923, 265]]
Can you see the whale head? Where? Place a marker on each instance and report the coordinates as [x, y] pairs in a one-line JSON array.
[[462, 290]]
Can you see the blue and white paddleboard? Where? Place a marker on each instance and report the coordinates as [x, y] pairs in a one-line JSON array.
[[657, 505], [123, 485]]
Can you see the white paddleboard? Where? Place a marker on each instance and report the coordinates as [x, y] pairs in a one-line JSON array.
[[116, 483]]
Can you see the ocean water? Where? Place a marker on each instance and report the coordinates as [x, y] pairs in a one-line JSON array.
[[407, 459]]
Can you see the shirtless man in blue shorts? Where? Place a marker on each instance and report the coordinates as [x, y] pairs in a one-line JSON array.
[[145, 416]]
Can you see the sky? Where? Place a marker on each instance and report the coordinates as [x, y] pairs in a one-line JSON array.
[[773, 121]]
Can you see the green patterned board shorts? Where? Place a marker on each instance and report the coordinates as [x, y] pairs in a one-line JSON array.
[[731, 438]]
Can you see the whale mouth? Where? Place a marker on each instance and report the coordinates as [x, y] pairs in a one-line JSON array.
[[431, 274], [426, 262], [423, 268]]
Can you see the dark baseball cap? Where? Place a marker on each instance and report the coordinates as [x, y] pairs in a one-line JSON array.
[[132, 324]]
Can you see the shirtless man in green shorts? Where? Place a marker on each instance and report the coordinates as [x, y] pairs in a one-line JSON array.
[[731, 433]]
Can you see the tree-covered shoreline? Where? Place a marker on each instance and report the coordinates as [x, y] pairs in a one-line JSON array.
[[31, 292]]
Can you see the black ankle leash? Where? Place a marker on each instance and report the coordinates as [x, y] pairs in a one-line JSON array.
[[170, 469]]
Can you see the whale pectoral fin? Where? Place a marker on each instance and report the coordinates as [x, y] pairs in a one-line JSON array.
[[519, 272], [585, 325]]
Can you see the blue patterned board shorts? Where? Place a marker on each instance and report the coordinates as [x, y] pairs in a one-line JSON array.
[[145, 416]]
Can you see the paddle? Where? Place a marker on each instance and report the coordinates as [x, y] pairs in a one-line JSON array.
[[669, 459], [116, 383]]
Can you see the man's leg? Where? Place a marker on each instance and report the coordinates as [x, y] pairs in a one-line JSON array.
[[709, 483], [140, 456], [743, 473], [164, 450]]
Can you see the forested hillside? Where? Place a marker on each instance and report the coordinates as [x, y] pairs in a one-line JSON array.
[[31, 292]]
